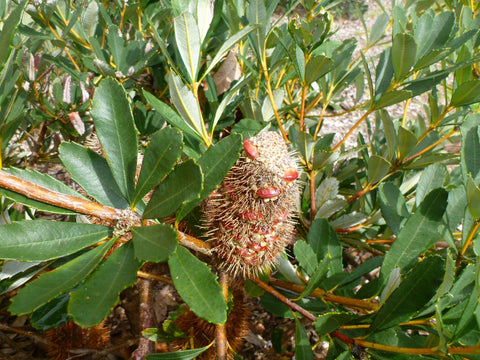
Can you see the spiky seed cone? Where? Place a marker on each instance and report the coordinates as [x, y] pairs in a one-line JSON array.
[[70, 336], [203, 333], [250, 216]]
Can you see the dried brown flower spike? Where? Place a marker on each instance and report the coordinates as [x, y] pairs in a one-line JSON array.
[[249, 217]]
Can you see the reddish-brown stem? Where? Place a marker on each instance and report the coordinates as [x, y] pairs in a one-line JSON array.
[[221, 341], [352, 129], [321, 294], [313, 208], [283, 299], [39, 193], [302, 109], [147, 317], [82, 206]]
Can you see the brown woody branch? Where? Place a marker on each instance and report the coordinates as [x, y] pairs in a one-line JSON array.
[[82, 206]]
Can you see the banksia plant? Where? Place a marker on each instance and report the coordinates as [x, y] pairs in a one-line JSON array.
[[250, 216]]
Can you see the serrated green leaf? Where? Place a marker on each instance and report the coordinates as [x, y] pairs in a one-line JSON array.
[[470, 150], [94, 299], [41, 240], [303, 349], [413, 293], [393, 206], [326, 323], [178, 355], [383, 73], [186, 104], [91, 171], [377, 168], [466, 93], [418, 234], [184, 184], [215, 164], [55, 282], [187, 38], [318, 276], [404, 49], [154, 243], [256, 14], [324, 241], [432, 177], [169, 115], [162, 153], [115, 129], [43, 180], [327, 190], [197, 286], [305, 256], [52, 314]]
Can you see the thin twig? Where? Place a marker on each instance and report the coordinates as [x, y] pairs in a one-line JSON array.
[[221, 341]]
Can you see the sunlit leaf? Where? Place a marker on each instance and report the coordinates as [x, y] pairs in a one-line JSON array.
[[116, 131], [188, 41]]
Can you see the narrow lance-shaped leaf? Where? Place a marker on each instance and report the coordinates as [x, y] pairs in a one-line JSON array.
[[90, 19], [162, 153], [393, 206], [182, 185], [324, 242], [204, 11], [94, 299], [55, 282], [170, 115], [91, 171], [42, 240], [303, 349], [305, 256], [197, 286], [377, 168], [113, 121], [466, 94], [186, 105], [257, 14], [8, 30], [403, 54], [188, 40]]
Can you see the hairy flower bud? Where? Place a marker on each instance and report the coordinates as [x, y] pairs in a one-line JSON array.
[[249, 218]]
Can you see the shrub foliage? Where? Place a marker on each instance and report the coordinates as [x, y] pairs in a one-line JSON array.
[[386, 257]]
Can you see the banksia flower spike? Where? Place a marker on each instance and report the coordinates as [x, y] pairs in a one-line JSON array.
[[250, 216]]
